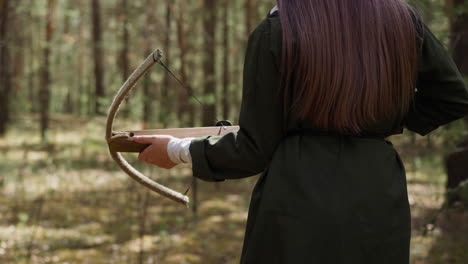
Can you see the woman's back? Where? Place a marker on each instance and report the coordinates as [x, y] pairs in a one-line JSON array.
[[325, 196]]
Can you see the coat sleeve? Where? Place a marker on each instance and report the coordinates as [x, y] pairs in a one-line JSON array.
[[248, 151], [442, 95]]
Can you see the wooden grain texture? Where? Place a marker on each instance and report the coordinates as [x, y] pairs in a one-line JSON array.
[[125, 143]]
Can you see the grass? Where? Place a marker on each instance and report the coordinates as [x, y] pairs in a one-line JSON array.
[[66, 202]]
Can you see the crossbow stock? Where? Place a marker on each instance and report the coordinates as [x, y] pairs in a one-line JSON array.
[[121, 141]]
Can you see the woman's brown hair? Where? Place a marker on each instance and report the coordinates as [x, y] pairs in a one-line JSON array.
[[348, 64]]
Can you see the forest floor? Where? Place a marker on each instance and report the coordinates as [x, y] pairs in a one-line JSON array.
[[66, 202]]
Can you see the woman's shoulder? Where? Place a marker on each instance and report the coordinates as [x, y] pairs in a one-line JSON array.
[[266, 38], [269, 31]]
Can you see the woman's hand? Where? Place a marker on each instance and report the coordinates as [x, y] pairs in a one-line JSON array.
[[156, 153]]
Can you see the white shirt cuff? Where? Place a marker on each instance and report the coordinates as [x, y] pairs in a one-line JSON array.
[[178, 150]]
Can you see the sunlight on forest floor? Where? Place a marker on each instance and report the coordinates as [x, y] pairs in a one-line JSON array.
[[67, 202]]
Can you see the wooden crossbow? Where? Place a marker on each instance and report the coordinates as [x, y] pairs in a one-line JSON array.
[[121, 141]]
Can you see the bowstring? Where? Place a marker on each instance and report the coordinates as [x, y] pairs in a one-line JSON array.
[[190, 93], [188, 90]]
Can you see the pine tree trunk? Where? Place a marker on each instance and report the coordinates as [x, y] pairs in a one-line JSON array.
[[165, 94], [97, 53], [124, 63], [459, 36], [44, 91], [69, 102], [209, 74], [248, 16], [81, 108], [226, 56], [239, 61], [148, 93], [456, 162], [32, 61], [184, 106], [5, 75]]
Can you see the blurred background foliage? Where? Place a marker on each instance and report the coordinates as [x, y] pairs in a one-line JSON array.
[[62, 200]]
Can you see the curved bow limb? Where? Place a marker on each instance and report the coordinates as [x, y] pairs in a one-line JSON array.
[[118, 158]]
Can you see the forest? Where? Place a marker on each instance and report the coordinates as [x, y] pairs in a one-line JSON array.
[[64, 200]]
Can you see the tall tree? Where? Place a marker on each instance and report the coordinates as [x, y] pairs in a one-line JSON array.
[[68, 102], [165, 94], [248, 16], [209, 73], [80, 72], [32, 59], [459, 34], [148, 93], [124, 61], [44, 91], [97, 53], [5, 74], [458, 19], [226, 98], [209, 76], [184, 107]]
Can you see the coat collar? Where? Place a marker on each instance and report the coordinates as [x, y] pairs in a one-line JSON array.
[[274, 10]]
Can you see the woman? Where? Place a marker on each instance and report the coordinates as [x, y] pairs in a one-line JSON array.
[[325, 82]]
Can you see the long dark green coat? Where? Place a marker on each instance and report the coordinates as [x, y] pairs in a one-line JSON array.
[[324, 198]]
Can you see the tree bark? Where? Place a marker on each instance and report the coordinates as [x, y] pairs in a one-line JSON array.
[[148, 94], [69, 102], [165, 94], [184, 106], [32, 82], [209, 78], [226, 56], [248, 16], [459, 35], [81, 107], [97, 53], [44, 91], [456, 161], [5, 75], [124, 63]]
